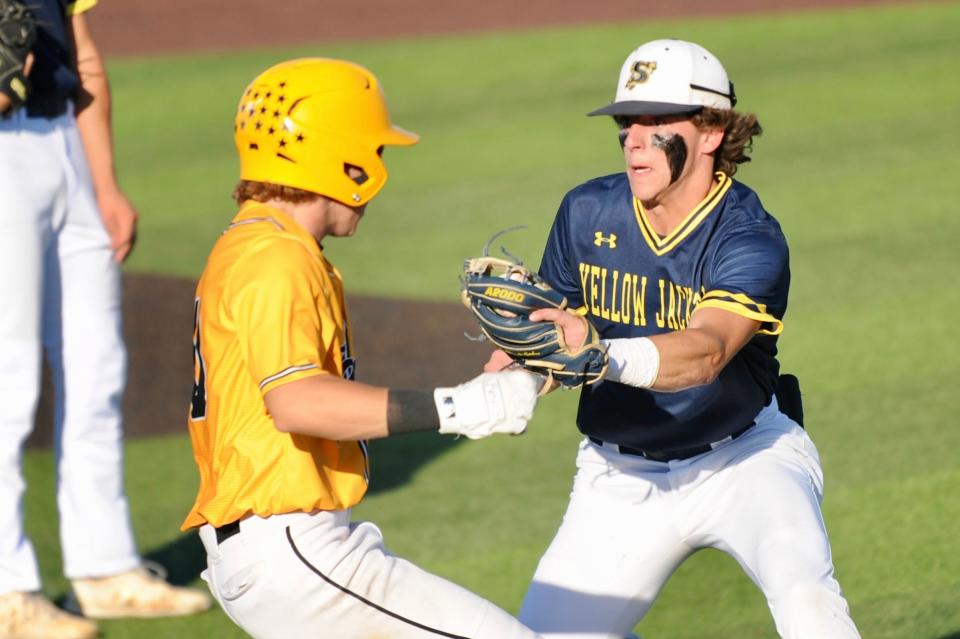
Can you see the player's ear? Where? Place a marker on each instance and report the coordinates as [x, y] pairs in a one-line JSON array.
[[710, 140]]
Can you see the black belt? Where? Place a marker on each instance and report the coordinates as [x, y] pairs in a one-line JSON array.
[[670, 455], [227, 531]]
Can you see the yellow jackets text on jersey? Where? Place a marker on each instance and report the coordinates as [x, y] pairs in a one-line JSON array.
[[269, 310]]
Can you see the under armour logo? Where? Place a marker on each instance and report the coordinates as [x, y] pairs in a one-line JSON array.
[[599, 240], [640, 72]]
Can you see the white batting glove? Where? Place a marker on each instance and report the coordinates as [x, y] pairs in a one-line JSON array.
[[500, 402]]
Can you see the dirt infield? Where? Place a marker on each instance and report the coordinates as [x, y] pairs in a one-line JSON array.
[[157, 310], [426, 348], [137, 26]]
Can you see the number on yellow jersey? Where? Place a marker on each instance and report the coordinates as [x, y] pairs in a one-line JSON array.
[[198, 403]]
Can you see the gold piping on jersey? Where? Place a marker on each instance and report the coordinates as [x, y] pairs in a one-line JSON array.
[[287, 371], [745, 307], [256, 220], [662, 245]]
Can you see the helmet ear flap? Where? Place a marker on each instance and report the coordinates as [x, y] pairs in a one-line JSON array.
[[361, 172], [355, 173], [319, 125]]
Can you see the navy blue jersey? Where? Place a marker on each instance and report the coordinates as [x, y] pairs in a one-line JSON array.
[[53, 77], [729, 253]]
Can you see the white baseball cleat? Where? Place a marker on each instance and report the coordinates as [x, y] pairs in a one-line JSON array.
[[30, 615], [141, 592]]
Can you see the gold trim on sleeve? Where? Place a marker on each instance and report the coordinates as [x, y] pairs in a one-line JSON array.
[[79, 6], [742, 305]]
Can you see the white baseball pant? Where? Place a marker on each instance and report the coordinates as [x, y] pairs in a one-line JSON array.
[[61, 288], [631, 522], [309, 575]]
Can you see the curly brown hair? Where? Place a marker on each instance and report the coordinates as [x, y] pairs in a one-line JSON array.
[[739, 130], [265, 191]]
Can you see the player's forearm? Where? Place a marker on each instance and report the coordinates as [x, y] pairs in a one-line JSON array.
[[681, 359], [93, 109], [687, 359], [670, 361], [666, 362], [329, 407], [334, 408]]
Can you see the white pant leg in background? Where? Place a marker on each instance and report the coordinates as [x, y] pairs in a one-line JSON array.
[[33, 184], [631, 522], [49, 212], [83, 337], [303, 576]]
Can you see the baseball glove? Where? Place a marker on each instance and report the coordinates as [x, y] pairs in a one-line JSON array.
[[18, 31], [502, 293]]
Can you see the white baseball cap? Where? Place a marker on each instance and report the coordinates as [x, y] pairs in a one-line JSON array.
[[670, 77]]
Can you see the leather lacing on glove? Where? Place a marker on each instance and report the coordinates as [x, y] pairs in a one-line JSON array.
[[502, 293]]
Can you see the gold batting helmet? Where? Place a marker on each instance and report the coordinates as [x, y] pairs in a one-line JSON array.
[[304, 122]]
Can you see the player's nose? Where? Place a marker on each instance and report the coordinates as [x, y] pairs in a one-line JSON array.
[[635, 136]]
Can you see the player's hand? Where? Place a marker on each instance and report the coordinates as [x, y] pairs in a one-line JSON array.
[[120, 219], [498, 361], [573, 326], [490, 403]]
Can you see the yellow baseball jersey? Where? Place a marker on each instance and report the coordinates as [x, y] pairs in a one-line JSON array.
[[269, 310]]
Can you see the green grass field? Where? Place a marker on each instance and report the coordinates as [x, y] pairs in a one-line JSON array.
[[858, 162]]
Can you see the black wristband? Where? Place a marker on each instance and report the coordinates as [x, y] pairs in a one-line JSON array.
[[409, 411]]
